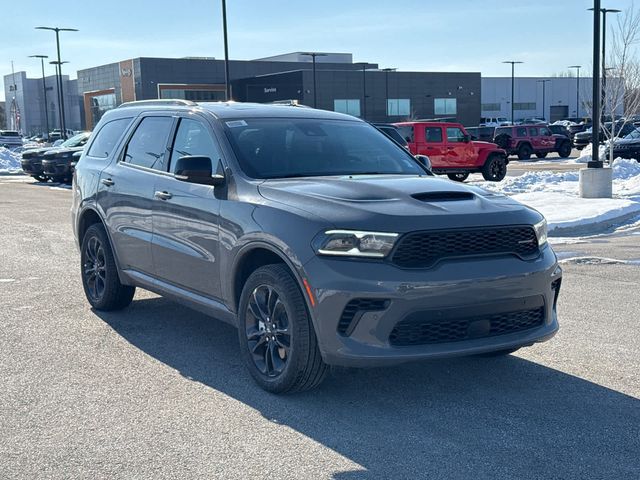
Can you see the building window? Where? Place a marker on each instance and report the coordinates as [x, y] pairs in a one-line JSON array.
[[101, 104], [444, 106], [490, 107], [350, 107], [524, 106], [398, 107]]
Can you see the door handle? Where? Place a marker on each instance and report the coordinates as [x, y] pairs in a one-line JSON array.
[[107, 181], [163, 195]]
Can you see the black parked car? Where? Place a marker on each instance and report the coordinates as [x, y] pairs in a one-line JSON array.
[[391, 131], [483, 134], [58, 164], [627, 147], [32, 159], [560, 130], [582, 139]]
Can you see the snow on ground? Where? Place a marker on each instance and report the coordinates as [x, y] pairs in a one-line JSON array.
[[9, 161], [556, 196]]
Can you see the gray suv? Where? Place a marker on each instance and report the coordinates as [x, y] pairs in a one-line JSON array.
[[322, 240]]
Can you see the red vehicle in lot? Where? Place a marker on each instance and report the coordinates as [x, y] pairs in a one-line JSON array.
[[526, 140], [452, 152]]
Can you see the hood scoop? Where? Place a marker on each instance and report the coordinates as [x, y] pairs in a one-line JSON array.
[[443, 196]]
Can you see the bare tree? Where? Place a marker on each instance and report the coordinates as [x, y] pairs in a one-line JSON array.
[[622, 92]]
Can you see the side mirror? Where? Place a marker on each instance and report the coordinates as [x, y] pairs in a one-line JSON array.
[[466, 138], [197, 169], [425, 161]]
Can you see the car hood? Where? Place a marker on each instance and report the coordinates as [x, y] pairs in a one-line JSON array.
[[480, 144], [36, 152], [397, 203]]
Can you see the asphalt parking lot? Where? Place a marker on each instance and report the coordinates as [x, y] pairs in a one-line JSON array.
[[159, 391]]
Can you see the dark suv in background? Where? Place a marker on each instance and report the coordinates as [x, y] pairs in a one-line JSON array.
[[527, 140], [321, 239]]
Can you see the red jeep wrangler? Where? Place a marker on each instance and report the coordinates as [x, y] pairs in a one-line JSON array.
[[451, 151], [525, 140]]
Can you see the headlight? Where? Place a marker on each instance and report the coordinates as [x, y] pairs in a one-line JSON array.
[[541, 232], [353, 243]]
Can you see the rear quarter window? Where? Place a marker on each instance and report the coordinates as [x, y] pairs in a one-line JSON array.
[[107, 137]]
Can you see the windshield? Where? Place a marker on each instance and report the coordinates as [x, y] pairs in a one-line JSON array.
[[633, 134], [76, 140], [294, 147]]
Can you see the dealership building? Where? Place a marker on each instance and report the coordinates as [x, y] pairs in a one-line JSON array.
[[361, 89]]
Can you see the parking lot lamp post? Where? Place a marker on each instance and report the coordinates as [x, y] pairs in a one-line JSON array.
[[44, 91], [544, 88], [512, 62], [313, 56], [596, 91], [577, 67], [227, 89], [604, 51], [386, 88], [57, 30], [58, 65], [364, 66]]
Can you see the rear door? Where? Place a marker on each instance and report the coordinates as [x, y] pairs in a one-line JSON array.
[[459, 152], [185, 216], [129, 182], [433, 145]]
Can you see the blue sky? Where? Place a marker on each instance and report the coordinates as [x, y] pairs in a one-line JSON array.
[[428, 35]]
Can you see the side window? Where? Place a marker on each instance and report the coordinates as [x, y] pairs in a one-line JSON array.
[[521, 132], [107, 138], [433, 134], [407, 132], [545, 131], [192, 138], [148, 145], [533, 131], [455, 135]]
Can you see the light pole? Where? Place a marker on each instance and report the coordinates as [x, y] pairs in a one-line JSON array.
[[577, 67], [313, 56], [63, 131], [226, 52], [604, 53], [512, 62], [544, 88], [57, 30], [44, 91], [386, 89], [595, 100], [364, 66]]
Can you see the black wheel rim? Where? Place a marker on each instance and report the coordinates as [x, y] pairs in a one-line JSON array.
[[497, 169], [94, 268], [267, 330]]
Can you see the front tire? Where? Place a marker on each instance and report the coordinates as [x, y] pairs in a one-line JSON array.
[[458, 177], [277, 339], [495, 168], [100, 280]]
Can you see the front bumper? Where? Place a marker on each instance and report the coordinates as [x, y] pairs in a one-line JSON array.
[[31, 167], [460, 289], [55, 169]]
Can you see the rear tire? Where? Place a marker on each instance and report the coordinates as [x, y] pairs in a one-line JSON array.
[[525, 151], [495, 168], [458, 177], [565, 150], [277, 339], [99, 273]]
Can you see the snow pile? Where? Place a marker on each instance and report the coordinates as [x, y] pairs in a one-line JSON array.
[[9, 161], [556, 196], [585, 153]]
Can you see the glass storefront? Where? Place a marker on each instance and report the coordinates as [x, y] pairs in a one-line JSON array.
[[100, 104]]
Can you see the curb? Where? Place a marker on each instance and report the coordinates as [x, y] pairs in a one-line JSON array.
[[595, 227]]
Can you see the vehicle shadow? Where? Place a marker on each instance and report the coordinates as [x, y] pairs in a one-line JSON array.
[[457, 418]]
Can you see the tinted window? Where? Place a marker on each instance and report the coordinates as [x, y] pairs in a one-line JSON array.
[[148, 145], [433, 134], [192, 138], [454, 134], [544, 131], [290, 147], [406, 131], [503, 130], [533, 131], [521, 132], [393, 133], [107, 137]]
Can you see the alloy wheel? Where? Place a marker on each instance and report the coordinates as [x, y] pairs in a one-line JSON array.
[[94, 268], [268, 331]]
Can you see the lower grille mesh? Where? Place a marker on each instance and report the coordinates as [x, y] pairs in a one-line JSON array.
[[423, 332]]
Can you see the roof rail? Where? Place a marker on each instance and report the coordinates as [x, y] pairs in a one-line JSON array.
[[159, 102]]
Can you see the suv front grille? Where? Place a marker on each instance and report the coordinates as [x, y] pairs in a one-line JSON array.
[[354, 310], [412, 331], [424, 249]]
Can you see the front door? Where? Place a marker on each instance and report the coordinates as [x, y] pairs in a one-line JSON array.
[[185, 217], [547, 140], [459, 151]]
